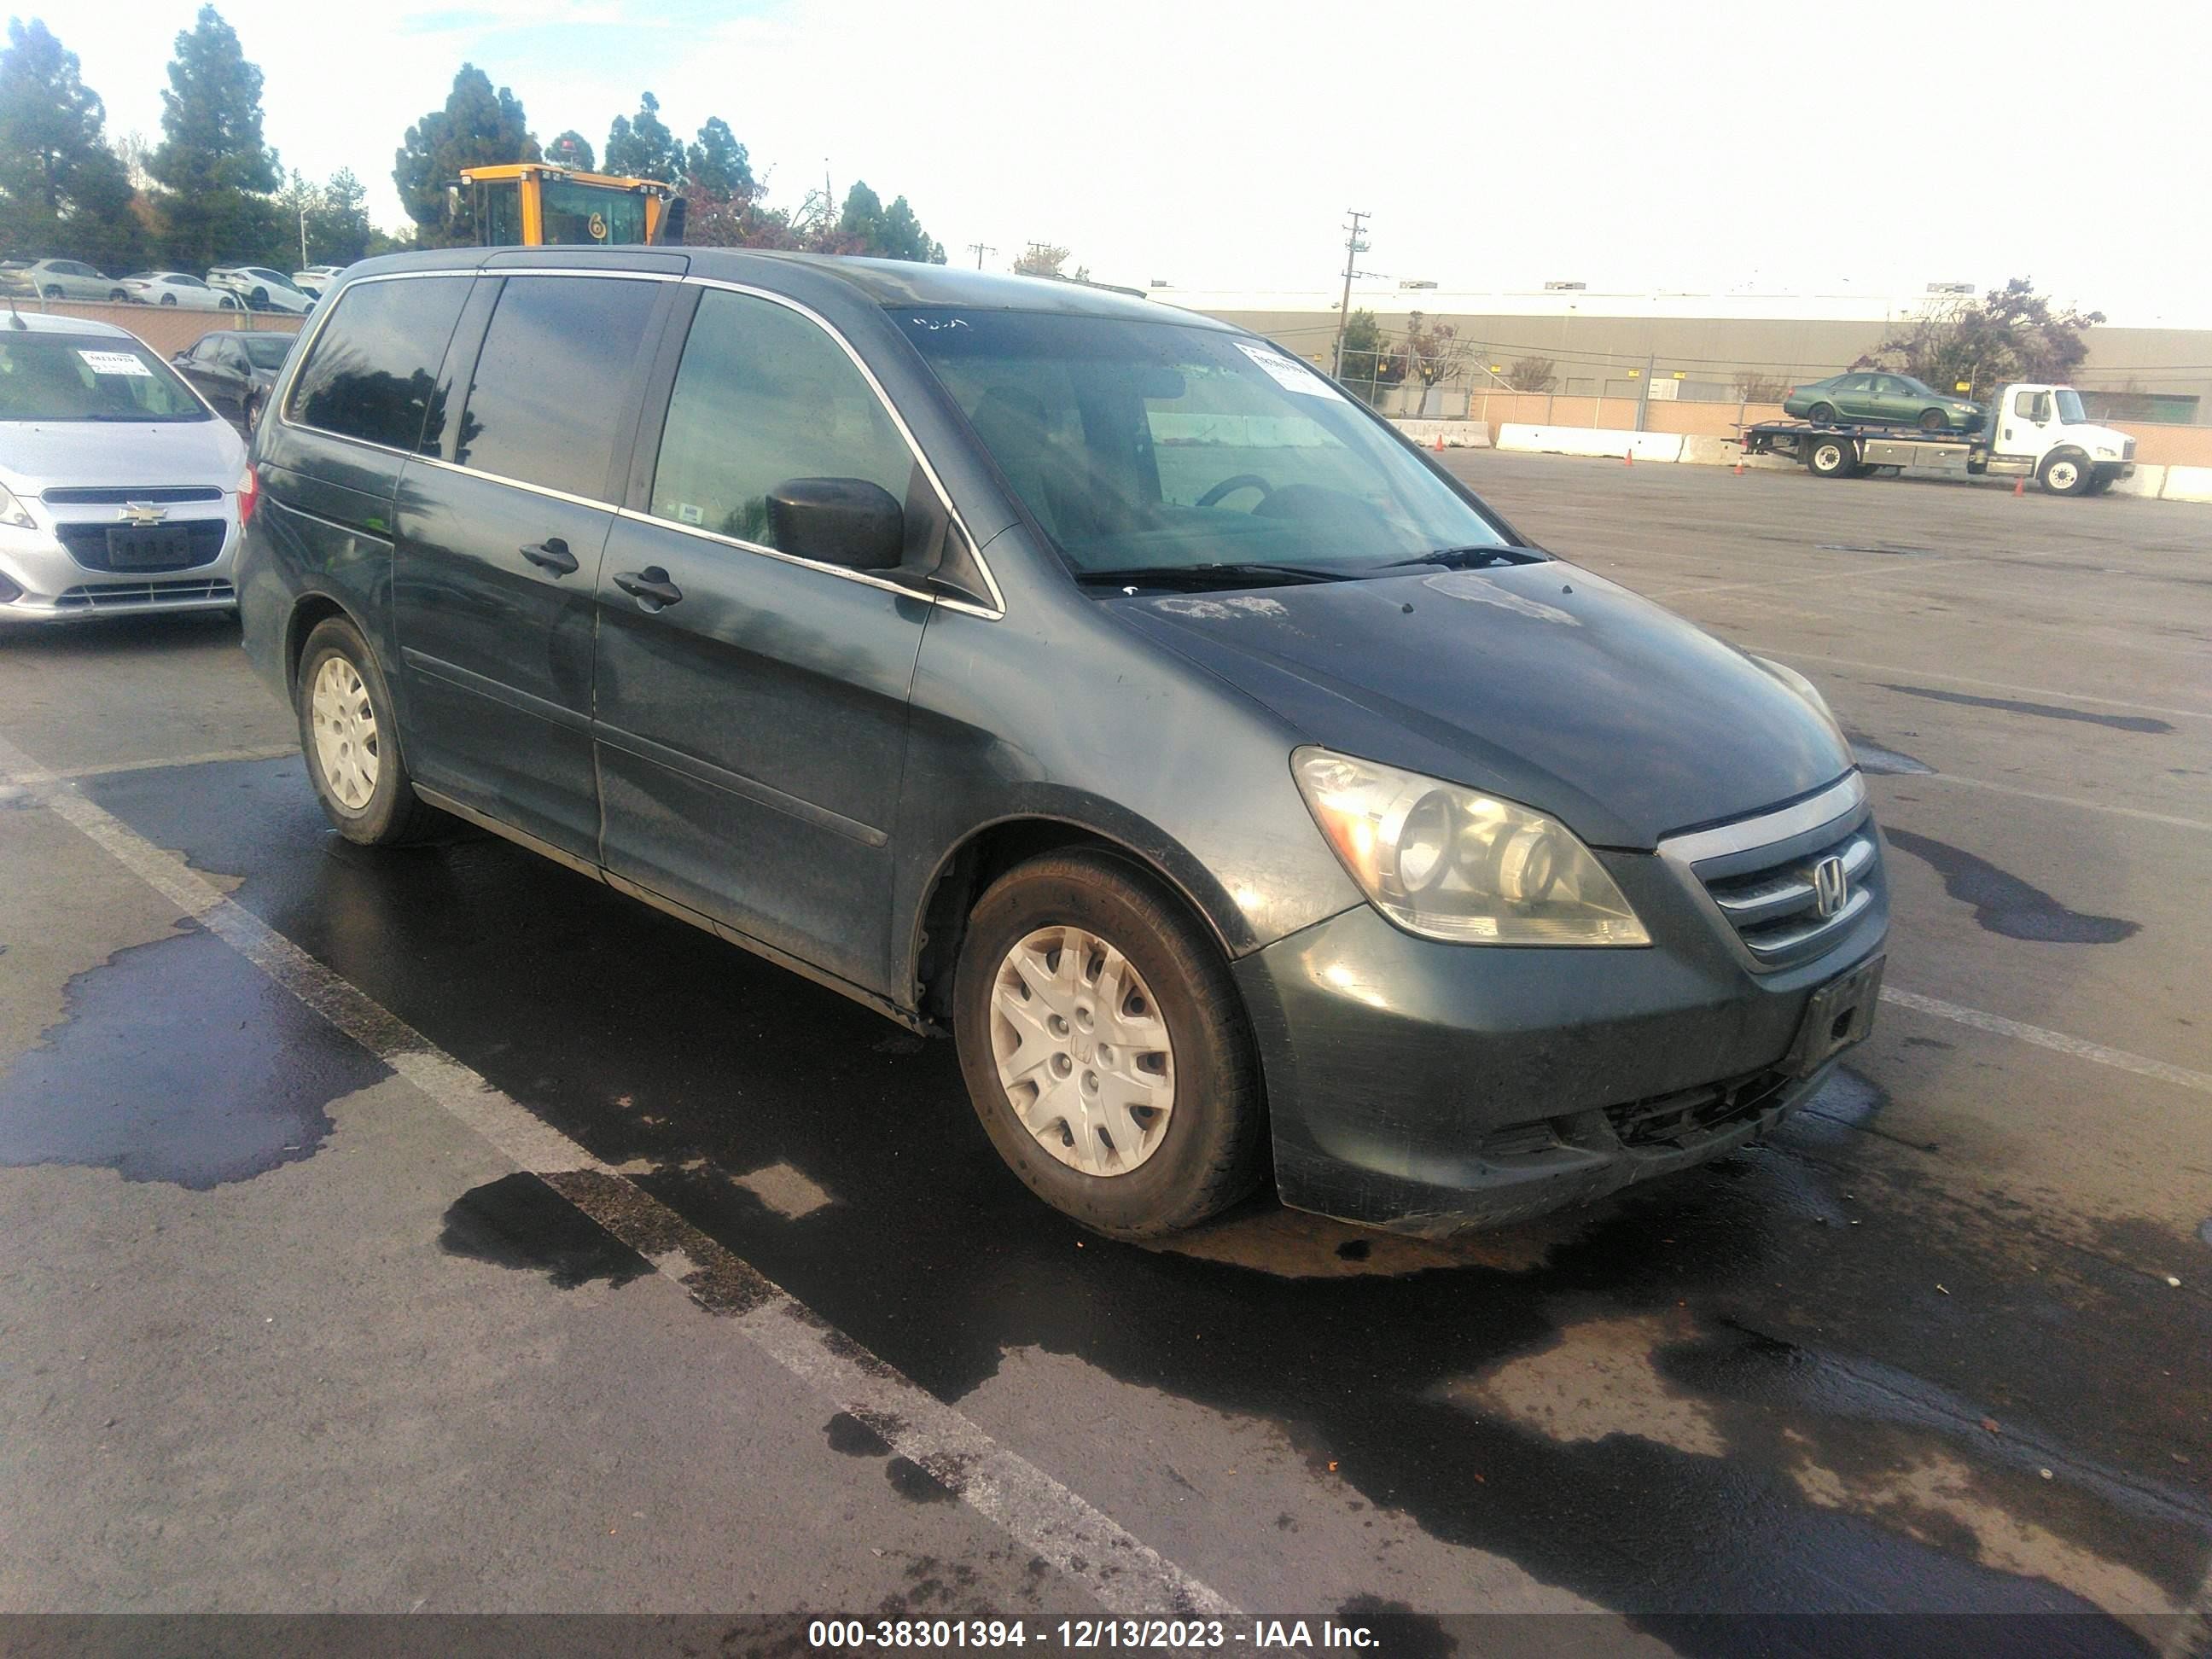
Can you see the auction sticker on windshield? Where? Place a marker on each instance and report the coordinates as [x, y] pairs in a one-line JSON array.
[[1292, 376], [115, 363]]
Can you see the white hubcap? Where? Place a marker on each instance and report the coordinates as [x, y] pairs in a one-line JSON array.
[[2063, 475], [345, 733], [1082, 1051]]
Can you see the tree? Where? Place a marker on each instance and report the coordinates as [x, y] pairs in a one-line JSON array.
[[738, 220], [718, 163], [1531, 374], [1434, 352], [643, 146], [62, 191], [476, 128], [2011, 333], [1362, 358], [886, 232], [571, 149], [217, 172], [1041, 260], [338, 230], [1757, 386]]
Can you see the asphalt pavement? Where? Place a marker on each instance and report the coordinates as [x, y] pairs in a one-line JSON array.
[[440, 1232]]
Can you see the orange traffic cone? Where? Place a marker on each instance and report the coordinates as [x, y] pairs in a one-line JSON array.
[[2020, 486], [1739, 466], [1440, 443], [1629, 459]]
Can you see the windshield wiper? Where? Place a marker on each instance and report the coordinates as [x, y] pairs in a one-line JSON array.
[[1467, 558], [1202, 576]]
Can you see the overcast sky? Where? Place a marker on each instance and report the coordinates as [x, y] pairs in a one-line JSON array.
[[1628, 145]]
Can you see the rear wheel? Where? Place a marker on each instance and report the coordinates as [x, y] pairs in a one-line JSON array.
[[1821, 415], [53, 291], [2064, 475], [260, 298], [117, 296], [1105, 1047], [1934, 420], [168, 299], [250, 412], [351, 739], [1832, 458]]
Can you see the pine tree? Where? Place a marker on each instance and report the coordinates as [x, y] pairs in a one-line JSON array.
[[62, 191], [643, 147], [718, 163], [217, 172], [339, 231], [476, 128], [894, 232], [571, 149]]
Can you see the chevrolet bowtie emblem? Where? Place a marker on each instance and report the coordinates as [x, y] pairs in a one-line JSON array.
[[142, 514]]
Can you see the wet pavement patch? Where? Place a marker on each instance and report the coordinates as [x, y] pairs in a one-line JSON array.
[[178, 1061], [2005, 905], [2048, 710], [915, 1484], [518, 1221], [848, 1434]]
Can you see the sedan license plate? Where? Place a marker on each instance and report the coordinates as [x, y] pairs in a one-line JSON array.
[[164, 546], [1840, 1013]]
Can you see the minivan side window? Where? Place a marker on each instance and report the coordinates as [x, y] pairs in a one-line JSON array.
[[763, 395], [373, 371], [552, 382]]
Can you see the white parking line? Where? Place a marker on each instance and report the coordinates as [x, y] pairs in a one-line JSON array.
[[2079, 1048], [206, 757], [1127, 1576], [2108, 807]]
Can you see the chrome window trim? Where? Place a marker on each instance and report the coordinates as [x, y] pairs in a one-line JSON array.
[[998, 606], [280, 404], [1839, 798]]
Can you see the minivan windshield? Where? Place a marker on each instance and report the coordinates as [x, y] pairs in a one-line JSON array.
[[77, 377], [1164, 449]]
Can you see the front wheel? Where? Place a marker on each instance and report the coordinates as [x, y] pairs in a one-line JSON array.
[[1105, 1047], [351, 739], [1934, 420], [1832, 458], [2065, 475], [249, 412]]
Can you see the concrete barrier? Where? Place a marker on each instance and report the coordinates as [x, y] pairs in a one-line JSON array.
[[2145, 481], [2187, 483], [1591, 441], [1456, 435], [1241, 431]]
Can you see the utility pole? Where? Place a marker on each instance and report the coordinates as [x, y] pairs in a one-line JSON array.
[[303, 237], [1353, 247], [979, 250]]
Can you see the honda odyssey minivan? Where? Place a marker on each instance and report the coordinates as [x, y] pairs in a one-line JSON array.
[[1085, 679]]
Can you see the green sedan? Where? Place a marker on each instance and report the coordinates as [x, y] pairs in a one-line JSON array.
[[1889, 399]]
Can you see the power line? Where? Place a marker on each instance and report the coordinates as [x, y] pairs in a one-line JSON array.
[[979, 250]]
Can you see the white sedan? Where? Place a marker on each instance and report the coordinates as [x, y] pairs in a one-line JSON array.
[[262, 289], [177, 288], [315, 278]]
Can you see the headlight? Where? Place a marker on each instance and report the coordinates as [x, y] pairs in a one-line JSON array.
[[12, 512], [1452, 863]]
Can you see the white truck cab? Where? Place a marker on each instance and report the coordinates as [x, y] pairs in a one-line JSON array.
[[2044, 426]]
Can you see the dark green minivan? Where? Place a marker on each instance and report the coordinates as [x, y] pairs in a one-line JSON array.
[[1090, 681]]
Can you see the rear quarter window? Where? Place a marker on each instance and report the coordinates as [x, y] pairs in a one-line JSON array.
[[372, 372]]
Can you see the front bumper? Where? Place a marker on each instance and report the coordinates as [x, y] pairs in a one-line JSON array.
[[41, 581], [1427, 1087]]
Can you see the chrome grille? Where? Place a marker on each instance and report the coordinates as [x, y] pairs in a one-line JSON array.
[[140, 596], [1776, 911]]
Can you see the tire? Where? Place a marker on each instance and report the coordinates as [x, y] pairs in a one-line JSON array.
[[260, 298], [388, 813], [168, 299], [1864, 470], [250, 412], [2100, 487], [53, 291], [1821, 414], [1934, 420], [1832, 458], [1208, 1154], [2063, 474]]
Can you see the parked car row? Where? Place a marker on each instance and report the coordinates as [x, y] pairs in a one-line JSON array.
[[226, 287], [235, 369]]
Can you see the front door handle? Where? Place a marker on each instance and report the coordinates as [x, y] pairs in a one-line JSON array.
[[552, 554], [650, 587]]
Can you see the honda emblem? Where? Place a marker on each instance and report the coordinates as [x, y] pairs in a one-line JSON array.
[[1832, 886]]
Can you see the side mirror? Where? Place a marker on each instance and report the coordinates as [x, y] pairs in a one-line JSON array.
[[842, 521]]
